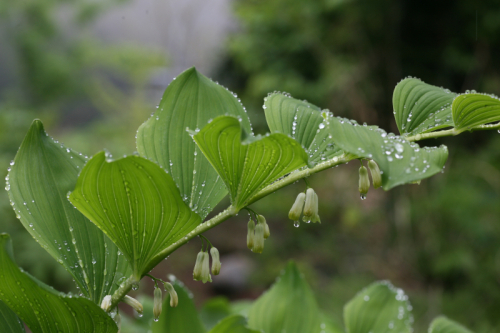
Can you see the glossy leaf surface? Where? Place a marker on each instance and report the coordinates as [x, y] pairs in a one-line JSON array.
[[183, 318], [43, 173], [9, 321], [214, 310], [137, 204], [42, 308], [289, 306], [303, 122], [444, 325], [420, 107], [379, 308], [233, 324], [471, 110], [247, 167], [400, 161], [190, 101]]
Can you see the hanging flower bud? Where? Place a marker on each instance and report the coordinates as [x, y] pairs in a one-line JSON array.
[[375, 171], [258, 244], [250, 235], [174, 299], [262, 219], [364, 182], [133, 303], [311, 207], [157, 303], [118, 321], [296, 209], [106, 303], [215, 261], [205, 268], [197, 266]]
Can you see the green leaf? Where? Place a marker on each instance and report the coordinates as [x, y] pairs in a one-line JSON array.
[[400, 161], [247, 167], [190, 101], [379, 308], [214, 310], [42, 308], [444, 325], [233, 324], [137, 204], [470, 110], [9, 321], [44, 171], [420, 107], [289, 306], [183, 318], [303, 122]]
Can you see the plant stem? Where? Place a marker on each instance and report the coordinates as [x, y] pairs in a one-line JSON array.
[[124, 288], [451, 132]]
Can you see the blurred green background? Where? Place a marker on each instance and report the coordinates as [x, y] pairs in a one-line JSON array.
[[94, 71]]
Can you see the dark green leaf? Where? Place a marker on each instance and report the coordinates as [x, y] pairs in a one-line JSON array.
[[190, 101], [42, 308], [214, 310], [183, 318], [444, 325], [247, 167], [420, 107], [137, 204], [39, 181], [289, 306], [303, 122], [9, 321], [233, 324], [400, 161], [471, 110], [379, 308]]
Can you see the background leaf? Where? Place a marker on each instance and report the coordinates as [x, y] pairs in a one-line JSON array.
[[400, 161], [379, 308], [420, 107], [44, 171], [247, 167], [183, 318], [233, 324], [289, 306], [214, 310], [303, 122], [137, 204], [471, 110], [444, 325], [42, 308], [9, 321], [190, 101]]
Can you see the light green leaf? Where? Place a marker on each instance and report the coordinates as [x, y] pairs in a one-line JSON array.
[[400, 161], [233, 324], [379, 308], [9, 321], [247, 167], [289, 306], [183, 318], [420, 107], [444, 325], [43, 173], [137, 204], [303, 122], [42, 308], [214, 310], [470, 110], [190, 101]]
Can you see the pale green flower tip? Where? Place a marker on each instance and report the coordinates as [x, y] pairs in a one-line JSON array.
[[258, 245], [106, 303], [133, 303], [216, 265], [297, 207], [376, 175], [205, 269], [157, 303], [267, 231], [174, 299], [250, 234], [197, 267], [364, 181]]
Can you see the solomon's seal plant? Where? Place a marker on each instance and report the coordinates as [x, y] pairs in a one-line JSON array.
[[109, 222]]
